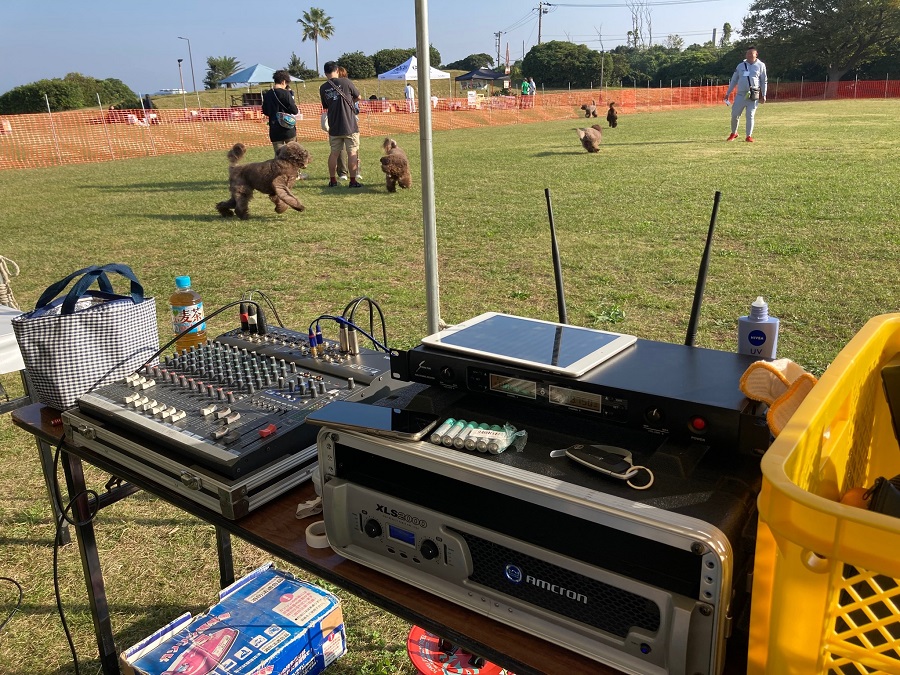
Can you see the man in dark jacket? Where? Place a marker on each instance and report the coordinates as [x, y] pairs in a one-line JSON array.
[[339, 96], [279, 99]]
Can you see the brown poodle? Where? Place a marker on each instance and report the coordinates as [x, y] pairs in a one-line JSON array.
[[591, 137], [274, 177], [395, 166], [612, 117], [590, 109]]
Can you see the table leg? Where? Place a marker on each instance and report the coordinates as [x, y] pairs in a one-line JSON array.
[[90, 563], [45, 454], [226, 562]]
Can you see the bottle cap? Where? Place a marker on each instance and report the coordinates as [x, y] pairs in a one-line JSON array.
[[759, 310], [182, 282]]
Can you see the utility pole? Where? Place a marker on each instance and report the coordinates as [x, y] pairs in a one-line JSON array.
[[541, 12], [497, 40]]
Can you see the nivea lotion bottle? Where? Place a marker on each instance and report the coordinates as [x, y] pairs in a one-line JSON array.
[[758, 332]]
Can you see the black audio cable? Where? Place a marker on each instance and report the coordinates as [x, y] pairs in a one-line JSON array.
[[18, 602], [249, 296]]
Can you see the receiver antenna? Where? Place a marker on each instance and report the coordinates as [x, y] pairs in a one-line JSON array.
[[557, 268], [701, 276]]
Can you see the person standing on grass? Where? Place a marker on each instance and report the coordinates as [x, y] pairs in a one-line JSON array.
[[750, 81], [338, 96], [410, 95], [342, 170], [279, 98]]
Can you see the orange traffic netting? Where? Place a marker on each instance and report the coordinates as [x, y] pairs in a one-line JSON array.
[[50, 139]]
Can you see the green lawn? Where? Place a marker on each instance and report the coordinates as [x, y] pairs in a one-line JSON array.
[[808, 219]]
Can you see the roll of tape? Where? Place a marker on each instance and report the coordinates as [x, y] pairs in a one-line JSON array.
[[315, 535]]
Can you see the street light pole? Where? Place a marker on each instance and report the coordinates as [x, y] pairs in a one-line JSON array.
[[181, 77], [191, 58]]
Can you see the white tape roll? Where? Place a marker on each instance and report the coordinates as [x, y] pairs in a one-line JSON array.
[[315, 535]]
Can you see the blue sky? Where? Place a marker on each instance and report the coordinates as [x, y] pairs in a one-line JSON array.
[[137, 41]]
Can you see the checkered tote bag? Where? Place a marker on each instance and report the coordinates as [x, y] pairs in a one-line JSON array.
[[88, 338]]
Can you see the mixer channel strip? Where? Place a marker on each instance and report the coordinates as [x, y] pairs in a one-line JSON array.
[[293, 347], [224, 407]]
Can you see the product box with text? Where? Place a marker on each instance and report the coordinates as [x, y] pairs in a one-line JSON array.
[[264, 624]]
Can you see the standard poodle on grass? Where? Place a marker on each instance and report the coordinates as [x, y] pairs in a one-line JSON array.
[[590, 109], [274, 177], [612, 117], [590, 138], [395, 166]]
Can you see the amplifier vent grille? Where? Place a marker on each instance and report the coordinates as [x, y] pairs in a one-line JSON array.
[[559, 590]]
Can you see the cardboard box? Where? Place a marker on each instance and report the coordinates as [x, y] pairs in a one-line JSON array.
[[266, 623]]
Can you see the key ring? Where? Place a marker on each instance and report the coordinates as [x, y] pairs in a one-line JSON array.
[[608, 460], [634, 471]]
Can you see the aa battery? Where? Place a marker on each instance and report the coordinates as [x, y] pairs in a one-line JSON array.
[[438, 433], [453, 432], [495, 445], [460, 441], [481, 443]]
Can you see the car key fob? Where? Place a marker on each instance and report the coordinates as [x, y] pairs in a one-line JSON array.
[[606, 459]]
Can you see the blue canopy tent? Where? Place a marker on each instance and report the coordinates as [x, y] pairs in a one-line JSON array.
[[256, 74]]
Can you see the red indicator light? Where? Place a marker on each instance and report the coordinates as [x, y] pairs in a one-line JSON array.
[[698, 423]]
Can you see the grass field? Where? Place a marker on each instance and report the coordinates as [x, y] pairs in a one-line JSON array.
[[808, 219]]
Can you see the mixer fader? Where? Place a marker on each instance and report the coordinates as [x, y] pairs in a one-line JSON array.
[[238, 403]]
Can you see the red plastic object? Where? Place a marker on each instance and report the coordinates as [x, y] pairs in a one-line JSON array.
[[426, 655], [265, 432]]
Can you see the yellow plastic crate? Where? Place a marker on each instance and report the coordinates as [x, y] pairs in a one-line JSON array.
[[826, 595]]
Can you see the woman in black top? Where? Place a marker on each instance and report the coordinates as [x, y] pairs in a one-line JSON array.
[[279, 99]]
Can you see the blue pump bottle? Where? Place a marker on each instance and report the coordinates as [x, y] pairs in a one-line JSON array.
[[758, 332]]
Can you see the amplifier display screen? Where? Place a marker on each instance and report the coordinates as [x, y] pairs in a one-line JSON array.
[[405, 536], [575, 399], [513, 385]]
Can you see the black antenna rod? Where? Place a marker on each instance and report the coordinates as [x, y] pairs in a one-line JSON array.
[[701, 276], [557, 268]]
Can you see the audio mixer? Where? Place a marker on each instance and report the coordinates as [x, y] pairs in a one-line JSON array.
[[240, 401]]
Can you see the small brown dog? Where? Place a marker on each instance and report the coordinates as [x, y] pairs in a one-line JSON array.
[[612, 117], [274, 177], [590, 109], [590, 138], [395, 166]]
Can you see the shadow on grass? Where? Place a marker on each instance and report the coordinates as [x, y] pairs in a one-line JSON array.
[[197, 217], [174, 186]]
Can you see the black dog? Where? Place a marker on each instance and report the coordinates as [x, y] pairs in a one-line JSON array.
[[612, 117]]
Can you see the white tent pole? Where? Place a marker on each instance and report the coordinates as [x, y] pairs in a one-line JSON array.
[[432, 290]]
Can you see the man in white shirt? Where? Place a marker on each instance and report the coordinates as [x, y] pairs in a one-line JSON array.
[[750, 81], [410, 94]]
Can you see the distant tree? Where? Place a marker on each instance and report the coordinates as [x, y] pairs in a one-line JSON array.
[[297, 68], [316, 24], [73, 92], [558, 64], [472, 62], [358, 65], [675, 42], [726, 35], [386, 59], [218, 68], [837, 35]]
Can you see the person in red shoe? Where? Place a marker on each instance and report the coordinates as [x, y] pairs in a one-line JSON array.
[[750, 81]]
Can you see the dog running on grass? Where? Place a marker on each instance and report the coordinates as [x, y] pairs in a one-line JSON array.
[[590, 138], [590, 109], [395, 166], [612, 117], [274, 177]]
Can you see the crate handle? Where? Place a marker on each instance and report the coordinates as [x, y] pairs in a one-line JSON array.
[[814, 562]]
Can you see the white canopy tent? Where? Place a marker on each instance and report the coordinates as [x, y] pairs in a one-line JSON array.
[[409, 70]]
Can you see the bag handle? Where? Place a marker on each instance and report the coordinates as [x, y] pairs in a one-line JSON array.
[[55, 289], [137, 291]]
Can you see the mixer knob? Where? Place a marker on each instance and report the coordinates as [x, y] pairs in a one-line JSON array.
[[230, 397], [350, 383], [373, 528], [291, 387], [281, 383], [322, 387], [293, 367], [250, 388]]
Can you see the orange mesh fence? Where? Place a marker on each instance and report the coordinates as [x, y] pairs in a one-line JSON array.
[[50, 139]]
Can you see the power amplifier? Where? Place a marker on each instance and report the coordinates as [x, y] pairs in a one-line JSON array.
[[686, 393], [646, 582]]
